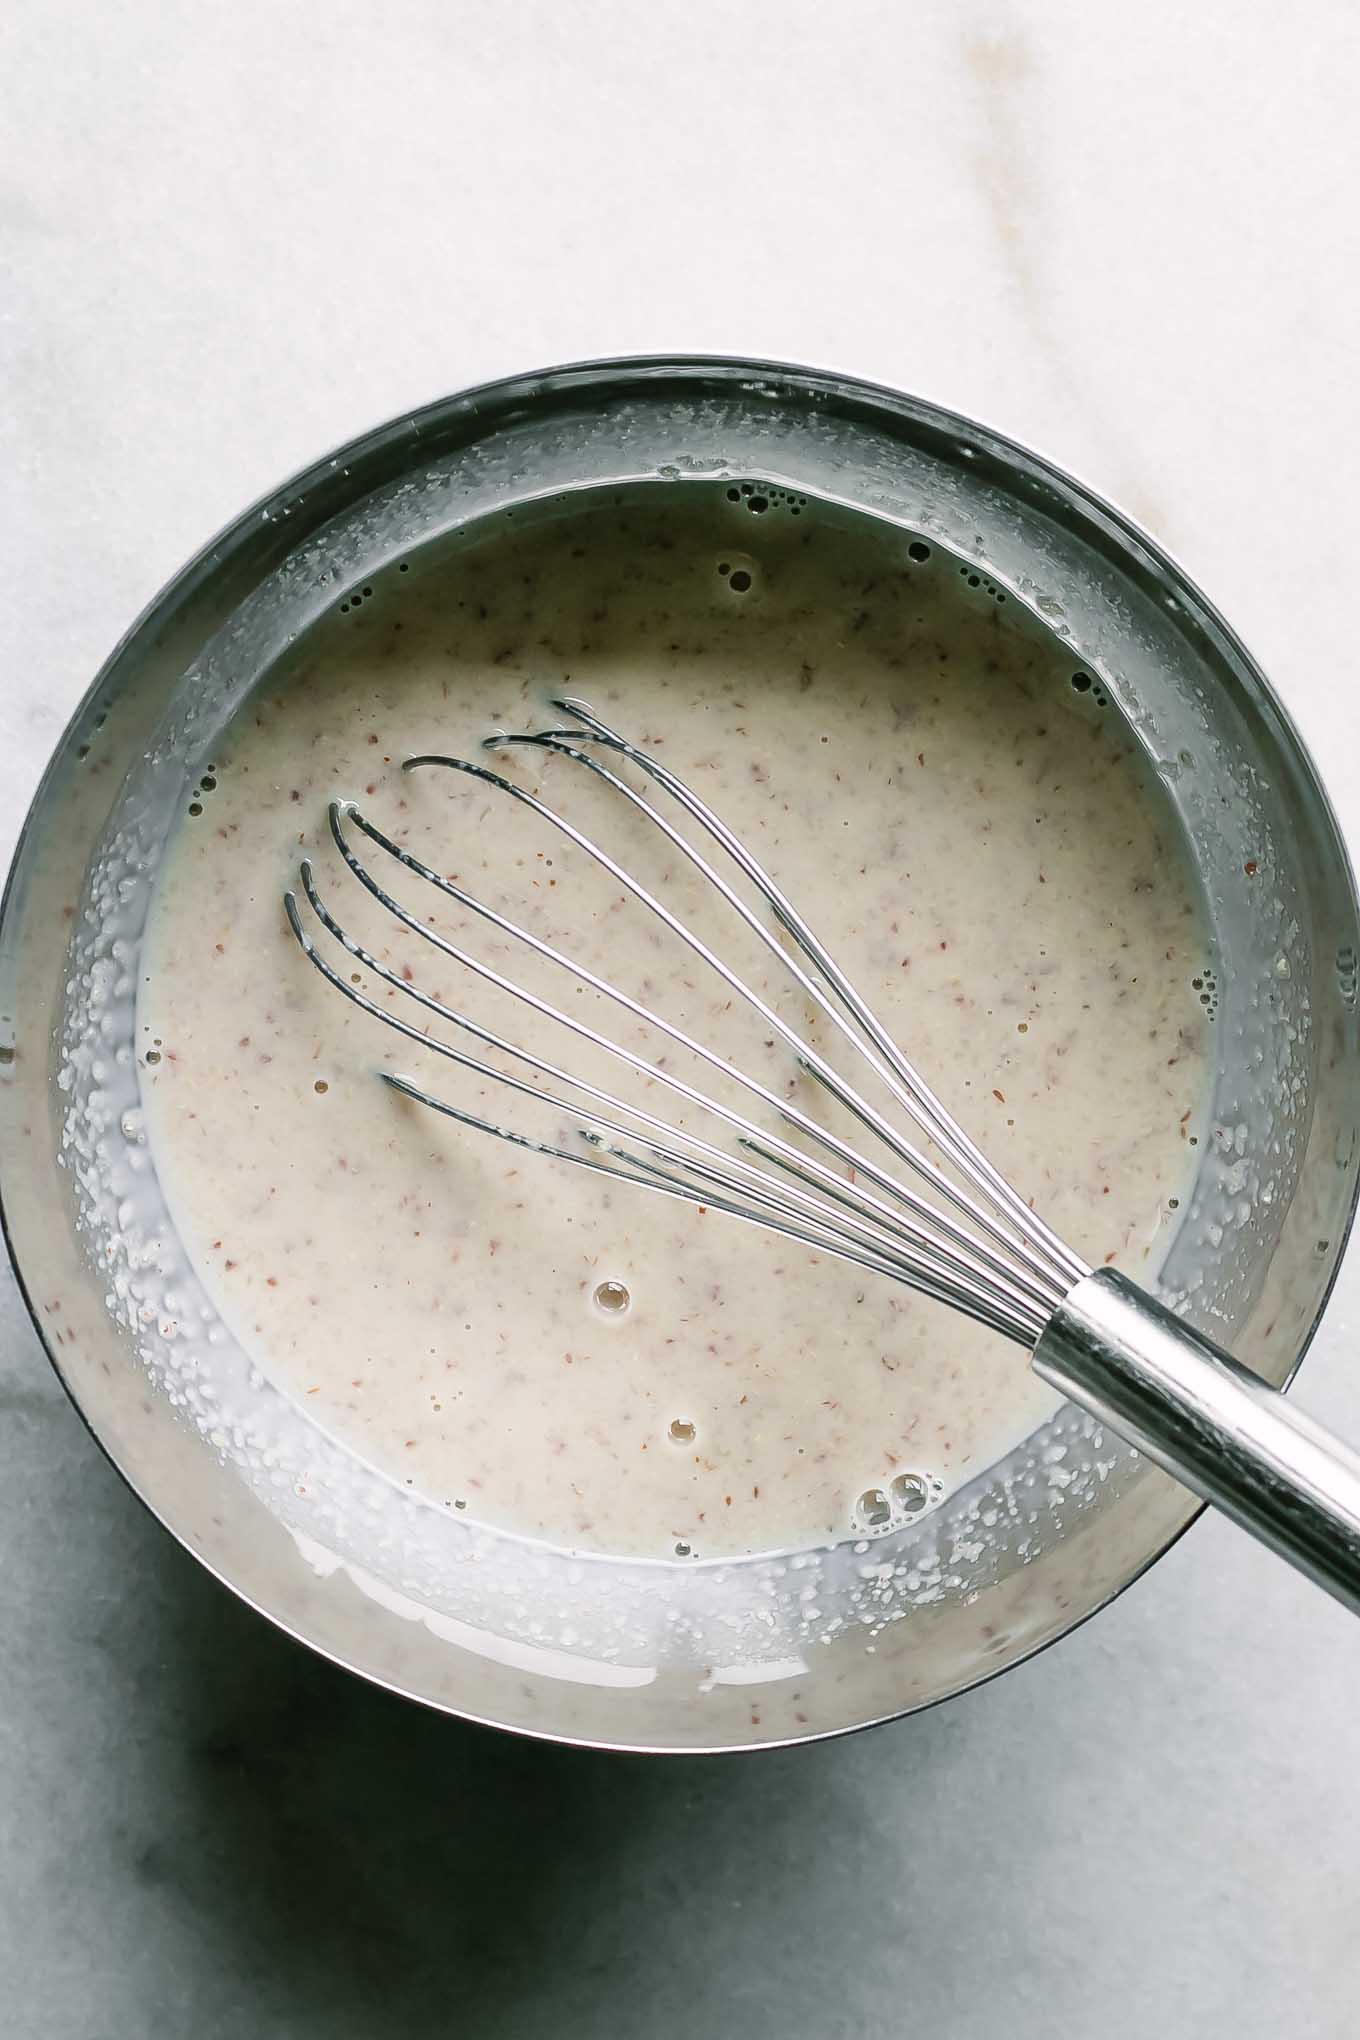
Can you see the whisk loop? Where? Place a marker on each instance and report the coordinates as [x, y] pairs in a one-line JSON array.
[[972, 1242]]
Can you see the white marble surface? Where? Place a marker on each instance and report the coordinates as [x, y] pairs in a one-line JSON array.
[[234, 236]]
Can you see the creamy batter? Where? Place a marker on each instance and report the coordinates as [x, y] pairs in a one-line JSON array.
[[954, 806]]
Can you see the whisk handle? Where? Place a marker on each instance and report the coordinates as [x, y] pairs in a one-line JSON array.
[[1212, 1423]]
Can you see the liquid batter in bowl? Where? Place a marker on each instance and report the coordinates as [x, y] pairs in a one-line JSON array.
[[955, 808]]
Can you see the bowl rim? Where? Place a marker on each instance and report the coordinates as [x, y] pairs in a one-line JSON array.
[[497, 395]]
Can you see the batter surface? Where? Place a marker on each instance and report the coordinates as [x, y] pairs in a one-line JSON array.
[[952, 804]]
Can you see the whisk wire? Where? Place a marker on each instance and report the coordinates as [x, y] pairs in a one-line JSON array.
[[992, 1284], [1032, 1234], [985, 1252], [1000, 1227], [931, 1226]]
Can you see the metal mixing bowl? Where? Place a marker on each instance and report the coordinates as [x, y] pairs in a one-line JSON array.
[[639, 1654]]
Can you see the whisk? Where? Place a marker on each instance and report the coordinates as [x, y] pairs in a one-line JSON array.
[[926, 1210]]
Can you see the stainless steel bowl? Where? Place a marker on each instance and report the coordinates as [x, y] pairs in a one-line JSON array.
[[640, 1655]]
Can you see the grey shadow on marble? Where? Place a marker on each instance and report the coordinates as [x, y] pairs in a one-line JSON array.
[[213, 1832], [366, 1861]]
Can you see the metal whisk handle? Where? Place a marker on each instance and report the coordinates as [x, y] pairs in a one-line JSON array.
[[1212, 1423]]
